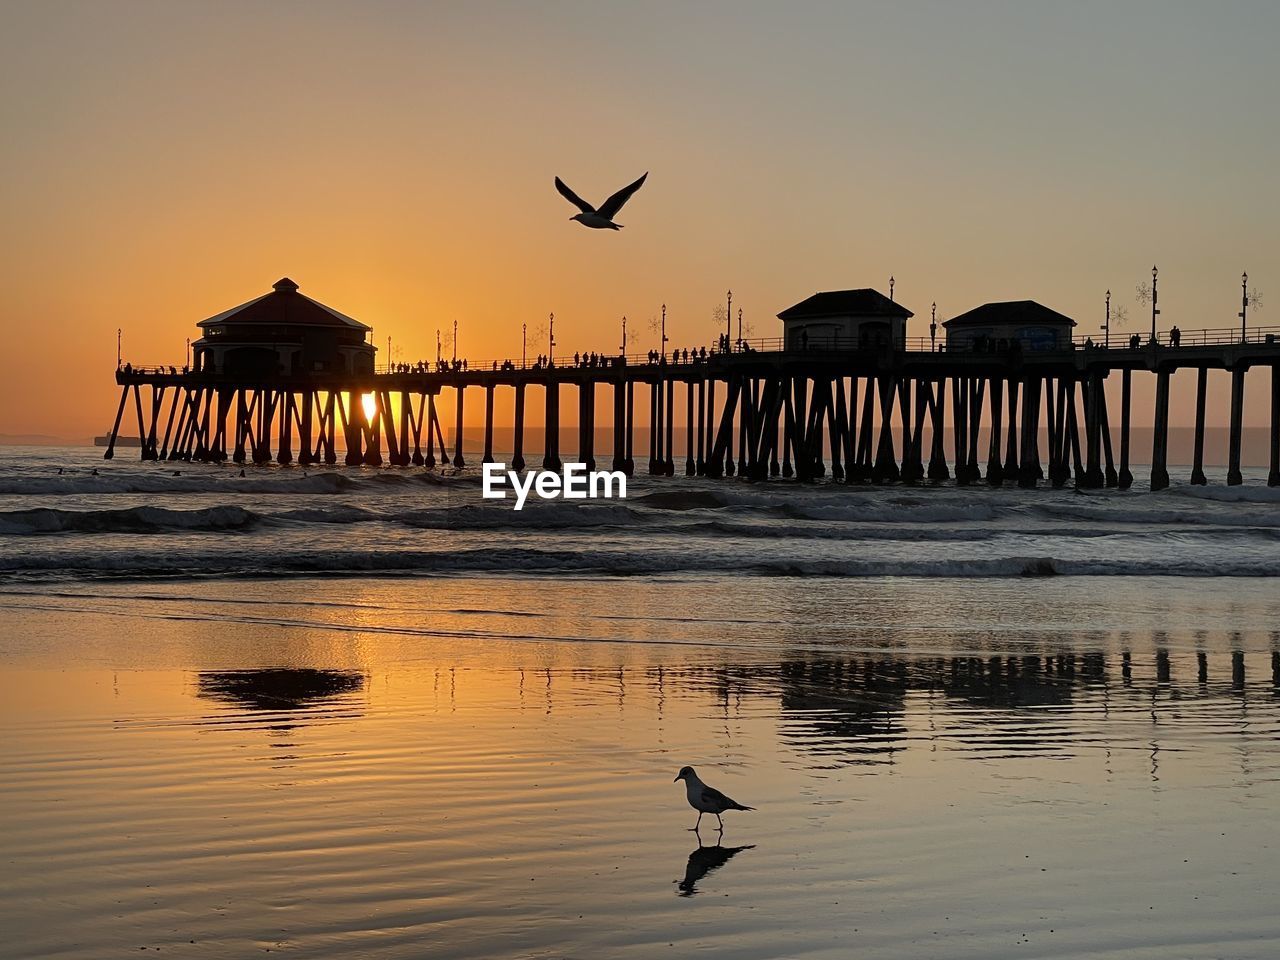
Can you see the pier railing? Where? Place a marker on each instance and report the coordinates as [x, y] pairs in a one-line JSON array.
[[1117, 343]]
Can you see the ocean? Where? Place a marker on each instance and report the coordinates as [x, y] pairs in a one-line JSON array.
[[345, 712]]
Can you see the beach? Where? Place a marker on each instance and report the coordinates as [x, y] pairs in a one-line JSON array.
[[359, 713]]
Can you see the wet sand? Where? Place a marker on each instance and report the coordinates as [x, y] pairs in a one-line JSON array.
[[482, 768]]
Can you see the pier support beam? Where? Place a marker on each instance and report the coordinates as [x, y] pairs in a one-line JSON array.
[[995, 469], [1197, 467], [619, 425], [629, 461], [1125, 479], [1093, 477], [700, 461], [1160, 440], [655, 425], [487, 457], [937, 431], [1273, 477], [960, 429], [690, 464], [1234, 477], [458, 463], [551, 446], [429, 461], [115, 427], [885, 468], [1109, 476], [669, 467], [587, 423], [517, 452], [1029, 470]]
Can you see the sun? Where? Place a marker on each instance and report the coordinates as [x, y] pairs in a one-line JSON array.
[[370, 404]]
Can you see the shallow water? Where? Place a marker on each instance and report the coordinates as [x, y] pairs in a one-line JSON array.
[[482, 766]]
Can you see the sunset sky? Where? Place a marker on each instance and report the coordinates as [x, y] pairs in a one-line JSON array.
[[164, 161]]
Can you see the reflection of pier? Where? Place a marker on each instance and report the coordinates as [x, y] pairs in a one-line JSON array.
[[855, 709], [757, 411], [278, 689]]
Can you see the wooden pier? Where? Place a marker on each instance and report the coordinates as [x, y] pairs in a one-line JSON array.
[[873, 414]]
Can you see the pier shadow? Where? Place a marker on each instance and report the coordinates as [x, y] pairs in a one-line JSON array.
[[702, 861]]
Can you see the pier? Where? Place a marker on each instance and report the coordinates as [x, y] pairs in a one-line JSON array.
[[286, 379], [754, 413]]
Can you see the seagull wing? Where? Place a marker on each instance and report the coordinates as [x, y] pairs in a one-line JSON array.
[[573, 198], [609, 209], [710, 795]]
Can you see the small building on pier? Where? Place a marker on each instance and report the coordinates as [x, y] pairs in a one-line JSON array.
[[845, 320], [998, 326], [283, 332]]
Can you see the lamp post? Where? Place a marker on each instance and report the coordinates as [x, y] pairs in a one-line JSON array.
[[455, 341], [664, 329], [438, 352], [1244, 304], [933, 328], [890, 286], [1248, 298], [739, 328], [551, 340], [118, 333], [188, 353], [1151, 293], [1106, 327], [524, 345], [728, 319], [623, 348], [1155, 298]]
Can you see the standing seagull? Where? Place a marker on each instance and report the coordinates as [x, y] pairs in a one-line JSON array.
[[601, 219], [706, 799]]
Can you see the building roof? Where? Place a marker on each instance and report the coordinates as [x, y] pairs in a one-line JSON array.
[[285, 306], [845, 303], [1010, 312]]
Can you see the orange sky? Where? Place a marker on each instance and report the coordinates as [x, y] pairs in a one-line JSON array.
[[164, 161]]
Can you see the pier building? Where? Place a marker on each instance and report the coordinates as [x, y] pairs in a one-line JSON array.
[[282, 333], [1030, 325], [843, 319]]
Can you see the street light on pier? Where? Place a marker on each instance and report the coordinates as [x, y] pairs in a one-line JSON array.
[[623, 348], [728, 319], [118, 334], [524, 345], [739, 328], [438, 351], [890, 286], [933, 328], [1151, 293], [551, 339], [1248, 299], [1106, 327], [455, 341]]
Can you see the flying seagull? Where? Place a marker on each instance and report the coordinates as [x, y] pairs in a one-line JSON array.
[[706, 799], [602, 218]]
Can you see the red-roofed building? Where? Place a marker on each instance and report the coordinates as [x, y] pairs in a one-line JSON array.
[[283, 332]]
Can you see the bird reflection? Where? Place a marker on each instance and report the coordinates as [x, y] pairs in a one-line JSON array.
[[702, 861]]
